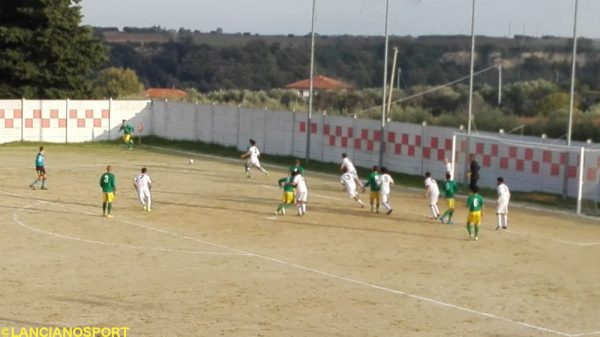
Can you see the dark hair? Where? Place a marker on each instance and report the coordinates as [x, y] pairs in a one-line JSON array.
[[344, 155], [375, 168], [41, 148], [252, 141], [384, 169], [474, 189], [448, 176], [427, 174], [500, 179], [144, 170]]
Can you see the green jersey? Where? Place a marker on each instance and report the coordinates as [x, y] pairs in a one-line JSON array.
[[297, 167], [127, 129], [286, 183], [373, 182], [475, 203], [108, 183], [450, 189]]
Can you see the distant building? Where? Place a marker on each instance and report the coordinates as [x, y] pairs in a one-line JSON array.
[[165, 93], [319, 83]]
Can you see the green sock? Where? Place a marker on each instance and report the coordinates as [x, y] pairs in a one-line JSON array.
[[281, 206], [445, 214], [285, 206], [103, 208], [450, 214], [109, 207], [469, 229], [476, 230]]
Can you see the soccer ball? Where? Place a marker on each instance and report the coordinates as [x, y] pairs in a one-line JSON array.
[[191, 161]]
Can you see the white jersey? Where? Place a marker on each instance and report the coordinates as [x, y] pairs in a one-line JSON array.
[[254, 154], [385, 182], [346, 163], [432, 187], [347, 179], [300, 183], [503, 193], [142, 181]]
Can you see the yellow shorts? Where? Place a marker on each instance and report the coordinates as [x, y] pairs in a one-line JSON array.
[[450, 203], [474, 218], [288, 198], [126, 138], [109, 197], [374, 196]]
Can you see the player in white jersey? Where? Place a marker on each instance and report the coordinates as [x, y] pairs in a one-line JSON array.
[[449, 168], [348, 166], [432, 193], [349, 181], [251, 157], [301, 191], [502, 204], [385, 187], [143, 184]]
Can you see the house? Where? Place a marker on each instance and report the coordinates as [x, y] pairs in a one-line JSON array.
[[319, 83], [165, 93]]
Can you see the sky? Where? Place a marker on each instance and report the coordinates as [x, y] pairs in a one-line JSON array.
[[353, 17]]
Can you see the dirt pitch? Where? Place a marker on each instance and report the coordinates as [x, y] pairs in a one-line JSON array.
[[212, 259]]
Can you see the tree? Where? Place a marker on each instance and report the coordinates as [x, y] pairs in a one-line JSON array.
[[117, 83], [44, 51]]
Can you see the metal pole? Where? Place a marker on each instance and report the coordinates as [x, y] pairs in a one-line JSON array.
[[580, 182], [391, 91], [385, 70], [399, 73], [574, 66], [472, 68], [310, 86], [500, 83]]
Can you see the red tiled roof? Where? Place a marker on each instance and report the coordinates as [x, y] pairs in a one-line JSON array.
[[319, 82], [165, 93]]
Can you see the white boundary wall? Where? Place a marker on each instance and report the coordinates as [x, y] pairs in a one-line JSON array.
[[409, 148]]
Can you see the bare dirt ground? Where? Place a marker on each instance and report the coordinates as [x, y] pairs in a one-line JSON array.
[[212, 259]]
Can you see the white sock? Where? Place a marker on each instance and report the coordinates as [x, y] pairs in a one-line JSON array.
[[500, 220], [433, 211], [386, 205], [360, 202], [505, 222], [303, 208]]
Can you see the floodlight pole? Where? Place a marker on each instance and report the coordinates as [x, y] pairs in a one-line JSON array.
[[500, 82], [385, 71], [573, 70], [472, 69], [311, 82]]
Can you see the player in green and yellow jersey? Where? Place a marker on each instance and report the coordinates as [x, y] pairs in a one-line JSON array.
[[374, 184], [127, 134], [475, 206], [297, 167], [449, 187], [108, 183], [288, 194]]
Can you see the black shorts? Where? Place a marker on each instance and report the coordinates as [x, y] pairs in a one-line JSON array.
[[40, 170]]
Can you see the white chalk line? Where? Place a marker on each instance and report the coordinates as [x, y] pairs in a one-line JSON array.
[[347, 279], [16, 219]]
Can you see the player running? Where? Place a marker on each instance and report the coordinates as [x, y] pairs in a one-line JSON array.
[[386, 182], [450, 190], [475, 206], [373, 182], [432, 193], [301, 191], [502, 204], [127, 134], [252, 156], [143, 184], [108, 183], [287, 199], [349, 181], [349, 167], [40, 169]]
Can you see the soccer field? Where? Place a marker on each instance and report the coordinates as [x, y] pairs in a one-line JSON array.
[[212, 259]]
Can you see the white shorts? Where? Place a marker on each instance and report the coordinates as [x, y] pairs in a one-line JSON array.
[[384, 196], [502, 207], [351, 192], [433, 199], [254, 163], [301, 196]]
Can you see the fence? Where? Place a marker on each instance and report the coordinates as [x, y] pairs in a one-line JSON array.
[[527, 163]]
